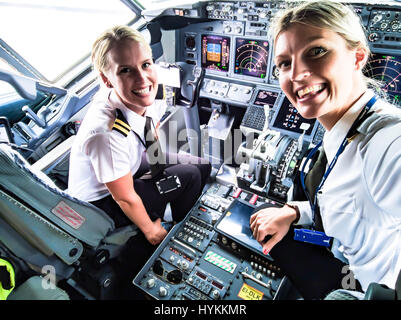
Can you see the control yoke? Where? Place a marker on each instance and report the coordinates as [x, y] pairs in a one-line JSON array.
[[28, 89], [182, 94], [199, 74]]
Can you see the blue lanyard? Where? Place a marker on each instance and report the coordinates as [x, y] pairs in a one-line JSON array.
[[351, 133]]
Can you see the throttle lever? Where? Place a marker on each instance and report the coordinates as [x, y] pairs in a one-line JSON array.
[[34, 117]]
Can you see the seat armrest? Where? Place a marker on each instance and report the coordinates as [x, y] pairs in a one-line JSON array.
[[52, 156]]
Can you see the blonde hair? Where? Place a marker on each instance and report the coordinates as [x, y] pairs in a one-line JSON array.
[[331, 15], [105, 41]]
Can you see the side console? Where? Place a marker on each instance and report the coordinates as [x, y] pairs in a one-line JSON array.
[[199, 261]]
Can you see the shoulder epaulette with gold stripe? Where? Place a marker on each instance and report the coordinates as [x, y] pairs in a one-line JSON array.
[[121, 124]]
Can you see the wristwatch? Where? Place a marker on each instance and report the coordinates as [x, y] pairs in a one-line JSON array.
[[293, 206]]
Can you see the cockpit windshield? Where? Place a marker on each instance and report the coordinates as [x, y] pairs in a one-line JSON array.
[[53, 35]]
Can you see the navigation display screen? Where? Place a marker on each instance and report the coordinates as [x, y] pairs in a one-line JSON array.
[[251, 57], [288, 118], [386, 69], [215, 52]]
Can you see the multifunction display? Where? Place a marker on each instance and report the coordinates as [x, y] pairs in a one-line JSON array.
[[265, 97], [288, 118], [251, 57], [215, 52], [387, 70]]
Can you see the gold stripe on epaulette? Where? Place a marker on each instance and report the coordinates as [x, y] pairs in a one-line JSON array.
[[120, 129], [124, 124]]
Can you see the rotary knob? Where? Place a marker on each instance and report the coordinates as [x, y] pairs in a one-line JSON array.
[[150, 283], [227, 29], [184, 265], [162, 292], [216, 294]]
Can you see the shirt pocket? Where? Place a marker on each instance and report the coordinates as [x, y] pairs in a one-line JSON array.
[[340, 216]]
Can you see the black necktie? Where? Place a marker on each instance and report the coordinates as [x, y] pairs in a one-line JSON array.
[[312, 181], [154, 152]]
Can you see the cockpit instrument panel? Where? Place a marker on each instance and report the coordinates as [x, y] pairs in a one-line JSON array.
[[235, 49]]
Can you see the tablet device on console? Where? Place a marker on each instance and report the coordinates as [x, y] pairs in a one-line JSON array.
[[234, 224]]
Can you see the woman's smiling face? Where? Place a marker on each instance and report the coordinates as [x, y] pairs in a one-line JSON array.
[[132, 74], [318, 72]]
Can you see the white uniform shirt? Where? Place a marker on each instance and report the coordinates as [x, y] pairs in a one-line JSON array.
[[360, 202], [100, 154]]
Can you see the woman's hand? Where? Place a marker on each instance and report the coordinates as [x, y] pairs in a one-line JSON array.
[[274, 222], [131, 204], [156, 232]]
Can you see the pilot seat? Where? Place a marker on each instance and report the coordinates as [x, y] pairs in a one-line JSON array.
[[46, 233]]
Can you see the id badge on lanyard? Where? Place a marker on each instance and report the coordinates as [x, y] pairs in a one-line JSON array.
[[310, 235]]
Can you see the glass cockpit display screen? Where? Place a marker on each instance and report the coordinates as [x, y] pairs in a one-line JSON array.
[[215, 52], [251, 57], [265, 97], [235, 225], [288, 118], [387, 70]]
